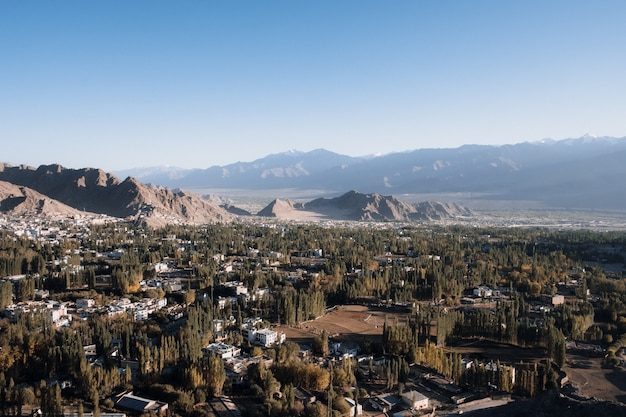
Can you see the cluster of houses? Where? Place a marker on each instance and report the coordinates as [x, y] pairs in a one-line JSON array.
[[55, 311], [48, 230], [61, 314], [138, 310], [168, 278], [482, 293], [235, 363]]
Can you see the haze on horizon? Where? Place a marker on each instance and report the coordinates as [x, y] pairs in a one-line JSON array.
[[118, 84]]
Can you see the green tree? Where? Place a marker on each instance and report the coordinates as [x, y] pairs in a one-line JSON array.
[[51, 401], [320, 344], [25, 395], [214, 374], [6, 294]]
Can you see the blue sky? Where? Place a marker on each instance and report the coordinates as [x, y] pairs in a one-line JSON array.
[[121, 84]]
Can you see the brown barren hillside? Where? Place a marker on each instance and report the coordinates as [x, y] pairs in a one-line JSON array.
[[93, 190], [363, 207], [23, 201], [346, 323]]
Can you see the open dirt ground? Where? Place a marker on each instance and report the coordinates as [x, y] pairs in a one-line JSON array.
[[352, 322], [593, 381], [489, 350]]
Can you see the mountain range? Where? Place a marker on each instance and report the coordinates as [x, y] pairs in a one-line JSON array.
[[52, 190], [363, 207], [581, 173]]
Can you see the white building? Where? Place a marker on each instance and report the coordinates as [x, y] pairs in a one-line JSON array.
[[263, 337], [236, 287], [161, 267], [558, 300], [415, 400], [222, 350], [141, 314], [128, 401], [160, 303], [483, 291], [58, 314], [354, 406], [266, 337], [85, 302], [249, 333]]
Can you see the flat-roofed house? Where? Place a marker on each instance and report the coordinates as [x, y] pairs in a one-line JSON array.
[[128, 401], [415, 400]]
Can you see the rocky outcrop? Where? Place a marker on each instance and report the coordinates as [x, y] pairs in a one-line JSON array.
[[95, 191], [363, 207]]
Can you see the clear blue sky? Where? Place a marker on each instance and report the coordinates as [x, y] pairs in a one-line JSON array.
[[122, 84]]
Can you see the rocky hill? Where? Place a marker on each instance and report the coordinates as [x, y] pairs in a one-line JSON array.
[[54, 190], [357, 206], [23, 201], [281, 209], [94, 191], [435, 210]]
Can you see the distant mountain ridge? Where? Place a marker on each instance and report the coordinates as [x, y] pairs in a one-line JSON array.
[[273, 171], [52, 190], [572, 173], [582, 173], [357, 206]]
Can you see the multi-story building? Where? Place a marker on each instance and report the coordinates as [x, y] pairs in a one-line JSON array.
[[263, 337], [222, 350]]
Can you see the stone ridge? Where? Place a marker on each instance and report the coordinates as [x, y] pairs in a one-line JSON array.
[[363, 207], [52, 188]]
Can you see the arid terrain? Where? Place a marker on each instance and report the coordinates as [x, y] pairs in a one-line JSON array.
[[353, 322], [591, 380], [504, 352]]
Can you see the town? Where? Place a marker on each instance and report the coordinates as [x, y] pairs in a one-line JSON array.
[[256, 318]]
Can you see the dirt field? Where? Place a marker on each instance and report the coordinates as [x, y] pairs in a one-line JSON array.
[[352, 322], [488, 350], [593, 381]]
